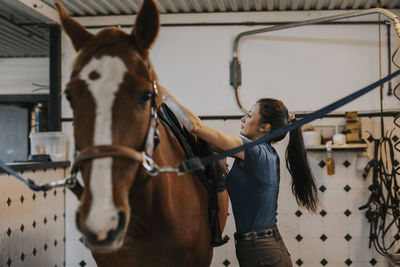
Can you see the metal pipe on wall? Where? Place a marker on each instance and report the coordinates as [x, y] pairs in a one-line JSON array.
[[235, 69]]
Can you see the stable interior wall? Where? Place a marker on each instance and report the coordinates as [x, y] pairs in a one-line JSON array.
[[306, 68], [18, 74]]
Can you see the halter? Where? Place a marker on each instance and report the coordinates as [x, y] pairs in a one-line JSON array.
[[113, 151]]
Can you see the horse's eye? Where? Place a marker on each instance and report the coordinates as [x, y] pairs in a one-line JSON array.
[[69, 97], [144, 98]]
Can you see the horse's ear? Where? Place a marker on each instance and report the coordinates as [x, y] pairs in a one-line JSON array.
[[78, 34], [147, 24]]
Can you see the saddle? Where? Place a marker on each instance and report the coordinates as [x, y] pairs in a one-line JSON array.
[[210, 177]]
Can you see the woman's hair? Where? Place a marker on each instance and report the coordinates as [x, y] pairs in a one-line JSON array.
[[275, 113]]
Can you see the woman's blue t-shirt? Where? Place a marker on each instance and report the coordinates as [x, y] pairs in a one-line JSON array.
[[253, 187]]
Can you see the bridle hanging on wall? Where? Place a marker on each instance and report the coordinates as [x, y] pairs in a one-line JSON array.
[[383, 206]]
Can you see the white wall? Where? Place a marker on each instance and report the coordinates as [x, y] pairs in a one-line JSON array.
[[306, 67], [318, 63], [18, 74]]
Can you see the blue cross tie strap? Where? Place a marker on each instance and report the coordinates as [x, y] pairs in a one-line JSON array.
[[199, 163], [28, 182]]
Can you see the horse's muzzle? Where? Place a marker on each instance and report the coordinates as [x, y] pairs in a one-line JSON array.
[[114, 237]]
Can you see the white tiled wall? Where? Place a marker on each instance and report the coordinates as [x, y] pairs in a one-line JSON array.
[[32, 223], [308, 228]]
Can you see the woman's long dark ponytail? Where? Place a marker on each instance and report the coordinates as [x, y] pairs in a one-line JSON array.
[[303, 185]]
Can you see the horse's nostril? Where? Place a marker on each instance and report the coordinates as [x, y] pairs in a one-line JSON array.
[[121, 221], [106, 236]]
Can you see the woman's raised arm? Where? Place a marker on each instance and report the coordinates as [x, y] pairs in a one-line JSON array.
[[194, 125]]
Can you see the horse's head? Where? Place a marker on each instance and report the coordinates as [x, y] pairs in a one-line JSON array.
[[111, 92]]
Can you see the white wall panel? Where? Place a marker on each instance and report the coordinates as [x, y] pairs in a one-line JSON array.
[[18, 74], [306, 67]]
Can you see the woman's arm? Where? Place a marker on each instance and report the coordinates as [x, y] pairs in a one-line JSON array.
[[192, 123]]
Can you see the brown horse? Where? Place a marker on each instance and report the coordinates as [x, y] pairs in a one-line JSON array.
[[128, 217]]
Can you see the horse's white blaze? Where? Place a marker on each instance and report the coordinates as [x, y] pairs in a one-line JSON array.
[[103, 215]]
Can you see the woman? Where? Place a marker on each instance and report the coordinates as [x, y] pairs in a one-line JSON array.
[[253, 181]]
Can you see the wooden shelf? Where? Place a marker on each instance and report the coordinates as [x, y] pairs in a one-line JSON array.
[[346, 147]]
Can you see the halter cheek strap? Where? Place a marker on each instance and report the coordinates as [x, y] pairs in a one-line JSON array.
[[152, 132]]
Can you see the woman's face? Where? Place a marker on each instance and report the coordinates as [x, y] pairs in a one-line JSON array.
[[250, 126]]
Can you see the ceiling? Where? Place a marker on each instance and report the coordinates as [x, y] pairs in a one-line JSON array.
[[24, 31]]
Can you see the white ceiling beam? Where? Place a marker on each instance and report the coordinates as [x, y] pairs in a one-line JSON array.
[[332, 4], [172, 6], [392, 4], [83, 8], [282, 5], [295, 4], [258, 5], [234, 5], [343, 5], [110, 6], [227, 17], [209, 6], [90, 9], [319, 4], [123, 6], [307, 5], [70, 7], [184, 6], [221, 5], [270, 5], [246, 5], [369, 3], [133, 5], [196, 6], [37, 8], [356, 4]]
